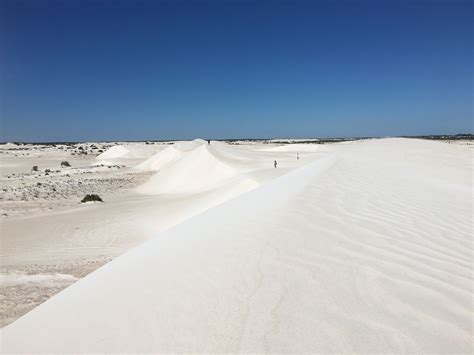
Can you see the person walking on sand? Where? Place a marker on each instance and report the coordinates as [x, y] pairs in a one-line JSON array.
[[208, 141], [275, 163], [297, 156]]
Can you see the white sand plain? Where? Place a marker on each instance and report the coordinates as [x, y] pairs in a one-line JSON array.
[[362, 247]]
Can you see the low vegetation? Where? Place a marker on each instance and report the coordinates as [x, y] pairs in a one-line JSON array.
[[91, 198]]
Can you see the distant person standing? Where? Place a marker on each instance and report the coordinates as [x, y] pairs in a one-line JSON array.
[[297, 156], [275, 164], [208, 141]]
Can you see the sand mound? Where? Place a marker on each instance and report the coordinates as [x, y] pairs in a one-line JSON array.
[[196, 166], [169, 155], [128, 152], [118, 151], [187, 168], [160, 160]]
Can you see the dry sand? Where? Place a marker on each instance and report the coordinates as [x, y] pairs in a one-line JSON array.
[[49, 240], [359, 247]]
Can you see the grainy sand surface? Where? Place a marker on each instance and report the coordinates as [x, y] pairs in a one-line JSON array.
[[360, 247], [49, 239]]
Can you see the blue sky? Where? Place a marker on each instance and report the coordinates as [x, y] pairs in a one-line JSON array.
[[137, 70]]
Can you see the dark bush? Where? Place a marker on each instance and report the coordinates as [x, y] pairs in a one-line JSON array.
[[35, 168], [91, 197], [65, 164]]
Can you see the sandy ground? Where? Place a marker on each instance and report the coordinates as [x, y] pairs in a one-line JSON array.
[[49, 239], [361, 247], [30, 199]]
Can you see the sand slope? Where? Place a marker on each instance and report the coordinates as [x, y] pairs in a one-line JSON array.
[[129, 151], [366, 250], [194, 171], [72, 239], [196, 167]]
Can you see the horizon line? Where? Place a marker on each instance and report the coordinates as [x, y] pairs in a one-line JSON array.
[[470, 135]]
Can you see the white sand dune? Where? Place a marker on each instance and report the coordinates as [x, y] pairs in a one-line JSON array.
[[160, 159], [114, 152], [170, 155], [196, 171], [130, 151], [194, 167], [173, 153], [367, 250], [127, 218]]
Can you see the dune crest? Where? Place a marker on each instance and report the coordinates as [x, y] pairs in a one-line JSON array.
[[192, 167], [128, 151], [169, 155]]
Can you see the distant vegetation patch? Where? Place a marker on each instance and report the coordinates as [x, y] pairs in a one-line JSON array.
[[460, 136]]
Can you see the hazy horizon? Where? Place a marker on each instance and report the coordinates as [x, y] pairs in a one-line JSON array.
[[231, 139]]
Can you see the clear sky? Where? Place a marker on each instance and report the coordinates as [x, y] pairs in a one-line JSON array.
[[137, 70]]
